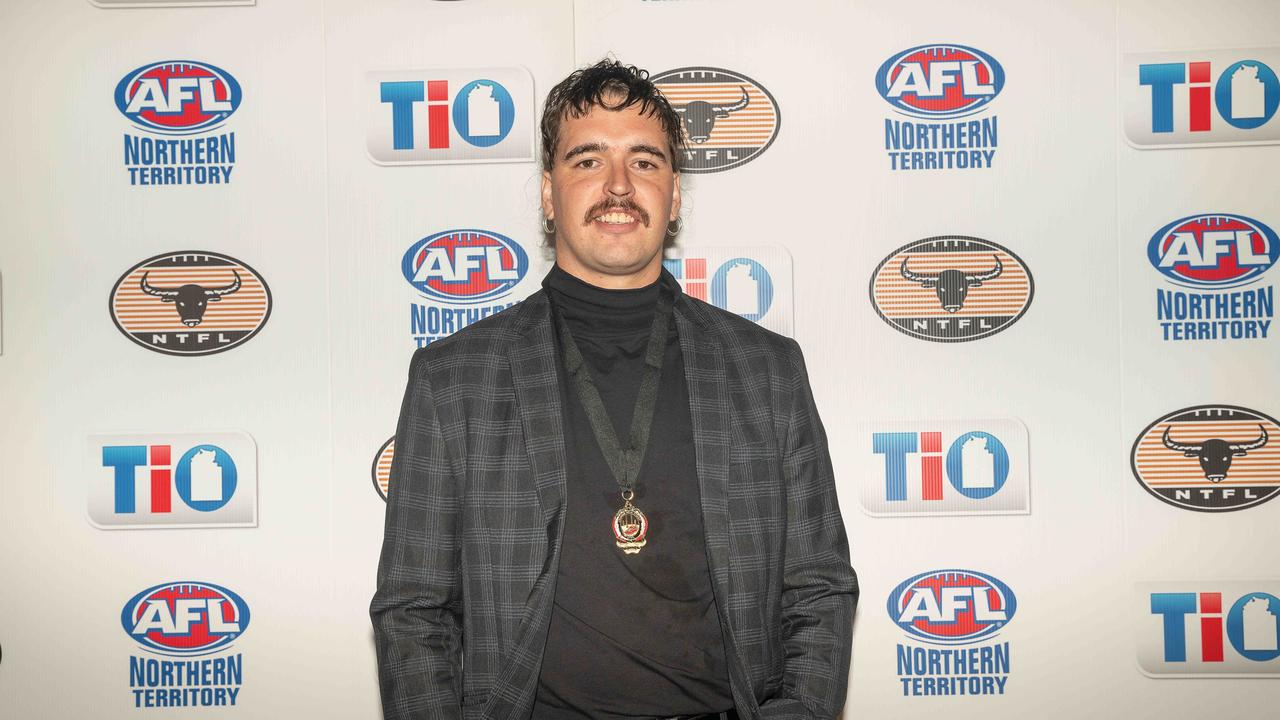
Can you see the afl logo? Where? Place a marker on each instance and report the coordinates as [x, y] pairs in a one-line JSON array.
[[382, 467], [1215, 251], [464, 266], [1210, 458], [952, 606], [937, 82], [185, 618], [951, 288], [178, 97], [728, 118], [192, 302]]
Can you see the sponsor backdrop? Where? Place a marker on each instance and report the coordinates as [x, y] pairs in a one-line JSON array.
[[1028, 249]]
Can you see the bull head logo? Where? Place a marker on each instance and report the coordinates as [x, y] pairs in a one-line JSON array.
[[190, 300], [952, 286], [1215, 455], [700, 117]]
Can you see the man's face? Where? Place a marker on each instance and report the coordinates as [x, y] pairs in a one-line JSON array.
[[611, 192]]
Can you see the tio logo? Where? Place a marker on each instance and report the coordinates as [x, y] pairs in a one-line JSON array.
[[1201, 97], [943, 467], [753, 283], [483, 112], [1210, 628], [450, 116], [135, 483], [205, 478], [740, 285], [977, 463], [1245, 94]]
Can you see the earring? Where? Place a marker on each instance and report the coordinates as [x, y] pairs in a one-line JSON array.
[[679, 221], [548, 225]]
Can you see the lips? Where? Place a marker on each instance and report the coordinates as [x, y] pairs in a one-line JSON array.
[[617, 212], [616, 218]]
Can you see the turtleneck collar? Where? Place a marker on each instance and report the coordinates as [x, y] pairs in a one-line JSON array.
[[601, 312]]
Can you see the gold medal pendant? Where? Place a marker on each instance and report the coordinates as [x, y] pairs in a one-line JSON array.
[[630, 526]]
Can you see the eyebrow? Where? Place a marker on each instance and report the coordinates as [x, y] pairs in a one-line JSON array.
[[601, 147]]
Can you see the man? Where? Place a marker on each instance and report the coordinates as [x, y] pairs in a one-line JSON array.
[[612, 500]]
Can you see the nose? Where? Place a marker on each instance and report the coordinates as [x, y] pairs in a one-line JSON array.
[[619, 181]]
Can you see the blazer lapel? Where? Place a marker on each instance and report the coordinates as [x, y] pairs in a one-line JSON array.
[[535, 377], [704, 371], [709, 410]]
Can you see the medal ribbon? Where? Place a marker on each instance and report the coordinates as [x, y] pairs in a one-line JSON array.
[[624, 462]]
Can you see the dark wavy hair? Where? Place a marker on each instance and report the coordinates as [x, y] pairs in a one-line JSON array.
[[613, 86]]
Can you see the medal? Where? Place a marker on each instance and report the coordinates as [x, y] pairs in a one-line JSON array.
[[630, 526]]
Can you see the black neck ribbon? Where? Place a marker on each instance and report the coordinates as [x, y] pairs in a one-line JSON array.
[[624, 462]]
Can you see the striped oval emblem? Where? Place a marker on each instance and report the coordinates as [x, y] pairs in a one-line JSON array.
[[728, 118], [192, 302], [951, 288], [1209, 458], [382, 467]]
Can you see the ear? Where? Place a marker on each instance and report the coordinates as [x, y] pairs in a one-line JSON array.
[[548, 207], [675, 199]]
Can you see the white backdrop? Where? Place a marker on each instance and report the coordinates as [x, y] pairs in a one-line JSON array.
[[1084, 371]]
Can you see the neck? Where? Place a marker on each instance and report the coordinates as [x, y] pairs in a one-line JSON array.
[[644, 277]]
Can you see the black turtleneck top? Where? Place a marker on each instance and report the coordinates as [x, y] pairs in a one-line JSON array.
[[631, 636]]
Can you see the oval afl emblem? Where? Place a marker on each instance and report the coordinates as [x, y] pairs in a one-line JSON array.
[[630, 527], [192, 302], [728, 119]]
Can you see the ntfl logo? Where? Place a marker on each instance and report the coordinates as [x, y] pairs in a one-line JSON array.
[[1209, 458], [381, 471], [951, 288], [192, 302], [728, 118], [450, 116], [185, 618]]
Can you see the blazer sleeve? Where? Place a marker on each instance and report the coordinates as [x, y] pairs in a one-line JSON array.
[[819, 587], [417, 608]]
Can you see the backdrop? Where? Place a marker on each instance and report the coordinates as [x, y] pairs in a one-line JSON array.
[[1027, 249]]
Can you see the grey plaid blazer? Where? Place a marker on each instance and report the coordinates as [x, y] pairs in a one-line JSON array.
[[477, 501]]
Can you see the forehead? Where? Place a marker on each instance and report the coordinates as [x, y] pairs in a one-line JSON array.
[[611, 127]]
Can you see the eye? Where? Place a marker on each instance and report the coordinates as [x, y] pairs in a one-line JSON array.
[[587, 163], [646, 165]]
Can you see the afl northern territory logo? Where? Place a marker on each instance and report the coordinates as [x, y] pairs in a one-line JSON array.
[[382, 467], [1210, 458], [192, 302], [728, 118], [951, 288]]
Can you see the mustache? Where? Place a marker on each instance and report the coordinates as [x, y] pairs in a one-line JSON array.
[[605, 206]]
